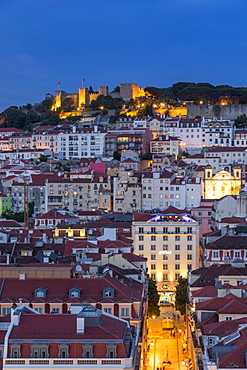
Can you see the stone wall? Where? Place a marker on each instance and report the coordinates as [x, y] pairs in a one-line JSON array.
[[226, 111]]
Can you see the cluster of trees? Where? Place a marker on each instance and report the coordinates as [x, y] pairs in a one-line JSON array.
[[19, 216], [153, 299], [181, 295], [199, 92], [25, 116], [107, 102]]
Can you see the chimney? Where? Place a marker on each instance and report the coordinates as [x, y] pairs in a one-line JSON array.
[[8, 259], [74, 129], [15, 315], [95, 128], [80, 323]]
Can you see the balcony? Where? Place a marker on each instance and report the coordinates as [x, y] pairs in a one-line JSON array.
[[106, 363]]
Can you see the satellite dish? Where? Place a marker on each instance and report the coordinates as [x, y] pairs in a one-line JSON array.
[[78, 268], [106, 269]]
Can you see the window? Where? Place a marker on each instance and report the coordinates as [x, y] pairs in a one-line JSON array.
[[228, 318], [236, 254], [153, 257], [40, 292], [55, 310], [141, 247], [39, 309], [165, 237], [141, 230], [6, 310], [153, 237], [215, 254], [108, 292], [165, 257], [189, 237], [177, 247], [153, 266], [153, 277], [125, 311], [153, 230], [177, 266], [165, 230], [111, 352], [177, 257], [87, 351], [141, 237], [165, 266], [177, 238], [177, 230], [15, 352], [108, 310], [189, 230], [153, 247], [63, 352], [210, 341], [165, 277], [189, 266], [189, 256], [177, 277], [75, 292]]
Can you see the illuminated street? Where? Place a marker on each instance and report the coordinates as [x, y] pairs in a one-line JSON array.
[[165, 346]]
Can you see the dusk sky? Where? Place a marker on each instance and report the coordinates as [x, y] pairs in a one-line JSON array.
[[150, 42]]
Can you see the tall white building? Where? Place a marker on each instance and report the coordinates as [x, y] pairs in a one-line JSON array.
[[163, 189], [86, 142], [170, 242]]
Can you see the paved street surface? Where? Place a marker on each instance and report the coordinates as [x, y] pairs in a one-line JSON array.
[[165, 345]]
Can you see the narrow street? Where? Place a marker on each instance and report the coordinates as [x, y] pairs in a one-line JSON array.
[[165, 346]]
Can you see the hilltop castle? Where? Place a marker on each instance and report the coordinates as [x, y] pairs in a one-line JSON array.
[[84, 98]]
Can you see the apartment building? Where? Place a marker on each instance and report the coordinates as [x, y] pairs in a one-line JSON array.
[[240, 138], [137, 140], [163, 189], [86, 142], [88, 338], [79, 194], [127, 191], [229, 155], [170, 242], [46, 139], [165, 145], [36, 193]]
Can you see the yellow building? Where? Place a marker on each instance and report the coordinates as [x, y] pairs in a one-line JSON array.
[[70, 231], [221, 183]]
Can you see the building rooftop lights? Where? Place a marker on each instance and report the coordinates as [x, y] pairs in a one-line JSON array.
[[172, 218]]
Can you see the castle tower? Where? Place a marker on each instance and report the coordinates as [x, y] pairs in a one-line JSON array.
[[129, 91], [60, 95], [83, 98], [103, 90]]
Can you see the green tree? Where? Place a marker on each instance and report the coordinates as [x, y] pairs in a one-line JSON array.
[[153, 298], [185, 154], [43, 158], [147, 156], [181, 295], [116, 155], [241, 120]]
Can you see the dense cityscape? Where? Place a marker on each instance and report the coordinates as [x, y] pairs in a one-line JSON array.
[[123, 232]]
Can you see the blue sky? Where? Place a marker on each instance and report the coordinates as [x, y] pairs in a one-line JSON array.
[[150, 42]]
